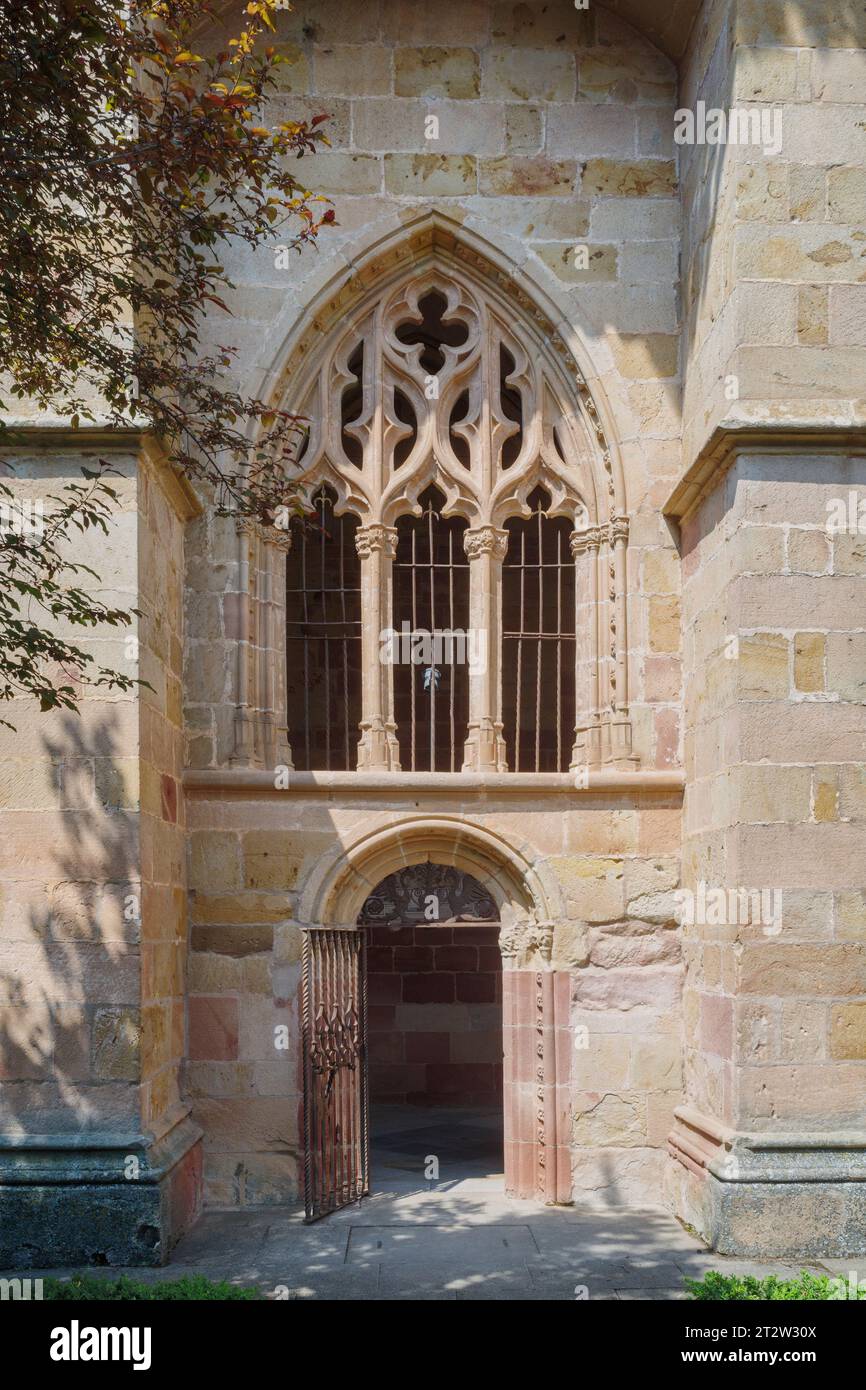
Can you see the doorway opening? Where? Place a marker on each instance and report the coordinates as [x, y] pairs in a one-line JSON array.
[[434, 1029]]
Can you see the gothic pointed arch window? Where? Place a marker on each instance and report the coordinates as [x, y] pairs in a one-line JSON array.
[[462, 453]]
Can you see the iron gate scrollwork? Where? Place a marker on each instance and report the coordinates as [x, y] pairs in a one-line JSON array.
[[335, 1070]]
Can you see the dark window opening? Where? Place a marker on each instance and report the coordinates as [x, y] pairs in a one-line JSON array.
[[351, 406], [431, 601], [512, 408], [538, 640], [433, 331], [323, 639]]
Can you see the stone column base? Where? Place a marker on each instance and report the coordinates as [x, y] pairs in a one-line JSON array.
[[98, 1199], [769, 1196]]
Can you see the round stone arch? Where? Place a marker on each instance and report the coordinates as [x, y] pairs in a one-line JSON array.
[[536, 998], [525, 891]]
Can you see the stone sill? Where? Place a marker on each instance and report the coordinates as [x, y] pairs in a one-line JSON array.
[[258, 782]]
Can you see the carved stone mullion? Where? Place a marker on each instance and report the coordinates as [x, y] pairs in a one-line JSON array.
[[378, 749], [282, 744], [585, 547], [261, 735], [243, 752], [540, 1106], [485, 548], [620, 733]]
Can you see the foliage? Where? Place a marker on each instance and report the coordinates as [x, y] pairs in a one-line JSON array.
[[745, 1287], [92, 1288], [128, 161]]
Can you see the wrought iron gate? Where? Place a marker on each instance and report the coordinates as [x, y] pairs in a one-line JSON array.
[[335, 1070]]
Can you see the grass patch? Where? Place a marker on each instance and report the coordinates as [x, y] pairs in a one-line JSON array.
[[89, 1287], [806, 1288]]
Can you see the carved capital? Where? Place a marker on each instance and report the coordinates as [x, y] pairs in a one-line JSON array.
[[268, 533], [619, 528], [588, 539], [485, 540], [526, 938], [376, 539]]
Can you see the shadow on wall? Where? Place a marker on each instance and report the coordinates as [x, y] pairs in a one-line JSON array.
[[69, 978]]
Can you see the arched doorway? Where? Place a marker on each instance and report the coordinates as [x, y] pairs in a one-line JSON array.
[[536, 1047], [434, 1028]]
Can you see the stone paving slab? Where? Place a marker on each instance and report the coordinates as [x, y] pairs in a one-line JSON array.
[[450, 1245], [464, 1242]]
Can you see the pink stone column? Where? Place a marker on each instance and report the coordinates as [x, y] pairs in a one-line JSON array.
[[537, 1101]]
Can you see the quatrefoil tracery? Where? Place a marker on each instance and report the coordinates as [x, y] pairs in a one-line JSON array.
[[487, 426]]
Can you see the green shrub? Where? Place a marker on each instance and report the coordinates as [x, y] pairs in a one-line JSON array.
[[806, 1288], [92, 1287]]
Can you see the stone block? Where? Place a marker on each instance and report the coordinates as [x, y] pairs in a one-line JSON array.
[[603, 1065], [292, 74], [211, 909], [846, 665], [808, 551], [213, 1028], [430, 175], [353, 70], [625, 73], [839, 75], [436, 72], [647, 356], [214, 860], [524, 129], [762, 666], [609, 1119], [593, 887], [769, 968], [567, 261], [656, 1064], [664, 624], [582, 131], [612, 178], [521, 176], [468, 23], [803, 1031], [807, 193], [338, 172], [764, 74], [521, 25], [851, 916], [812, 315], [524, 74], [809, 661], [848, 1031], [847, 314], [270, 860]]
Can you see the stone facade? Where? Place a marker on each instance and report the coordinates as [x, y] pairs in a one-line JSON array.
[[717, 1065]]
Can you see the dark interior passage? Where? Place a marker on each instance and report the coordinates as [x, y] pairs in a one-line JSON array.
[[435, 1049]]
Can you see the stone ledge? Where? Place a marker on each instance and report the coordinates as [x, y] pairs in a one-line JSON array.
[[706, 1148], [259, 782], [66, 1200], [733, 438], [57, 435], [94, 1158]]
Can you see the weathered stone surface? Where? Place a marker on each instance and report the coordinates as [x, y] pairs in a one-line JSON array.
[[436, 72], [526, 177], [622, 179], [430, 175]]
